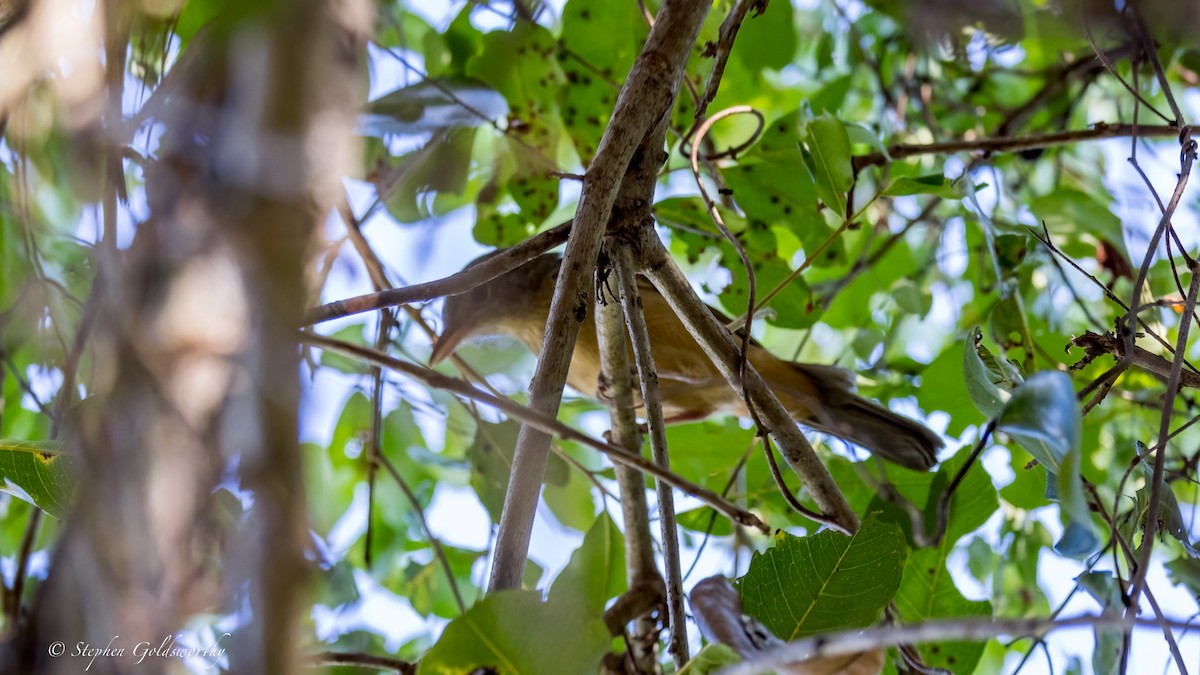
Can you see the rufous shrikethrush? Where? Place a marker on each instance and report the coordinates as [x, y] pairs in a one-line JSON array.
[[822, 397]]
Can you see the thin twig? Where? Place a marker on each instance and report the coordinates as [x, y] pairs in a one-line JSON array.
[[321, 659], [543, 422], [433, 540], [973, 629], [639, 335], [455, 284], [997, 144]]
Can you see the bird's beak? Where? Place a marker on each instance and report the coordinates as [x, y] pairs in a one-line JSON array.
[[446, 344]]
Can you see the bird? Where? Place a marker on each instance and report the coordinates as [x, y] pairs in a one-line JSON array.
[[821, 397]]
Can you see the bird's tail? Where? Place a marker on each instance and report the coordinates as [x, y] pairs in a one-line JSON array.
[[835, 409]]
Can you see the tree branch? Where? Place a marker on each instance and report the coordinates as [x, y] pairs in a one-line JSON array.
[[943, 630], [996, 144], [646, 98], [455, 284], [617, 385], [639, 335]]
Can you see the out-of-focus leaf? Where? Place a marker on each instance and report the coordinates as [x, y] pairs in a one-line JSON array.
[[514, 633], [430, 105], [429, 591], [933, 184], [352, 334], [491, 459], [1069, 213], [1186, 572], [1106, 659], [767, 40]]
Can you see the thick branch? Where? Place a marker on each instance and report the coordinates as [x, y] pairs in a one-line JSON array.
[[647, 96]]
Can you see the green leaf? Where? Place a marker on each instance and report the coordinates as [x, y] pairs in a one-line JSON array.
[[933, 184], [520, 64], [774, 186], [912, 299], [1106, 659], [40, 473], [767, 40], [701, 520], [596, 572], [572, 501], [352, 334], [990, 380], [1068, 213], [827, 581], [439, 167], [434, 104], [515, 633], [829, 148], [927, 591], [1043, 416], [1185, 572], [793, 305], [600, 42], [1170, 517], [491, 458], [429, 591], [711, 659]]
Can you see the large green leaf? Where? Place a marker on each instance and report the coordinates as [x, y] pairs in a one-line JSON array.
[[598, 45], [927, 591], [1103, 587], [827, 581], [1044, 418], [38, 472], [596, 572], [516, 633]]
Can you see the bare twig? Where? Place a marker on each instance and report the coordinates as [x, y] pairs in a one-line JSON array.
[[399, 667], [639, 336], [640, 567], [455, 284], [1013, 143], [724, 47], [942, 630]]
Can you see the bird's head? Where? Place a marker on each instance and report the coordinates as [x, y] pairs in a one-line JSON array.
[[497, 306]]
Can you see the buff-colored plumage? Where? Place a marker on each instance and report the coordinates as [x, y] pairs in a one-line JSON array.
[[518, 303]]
